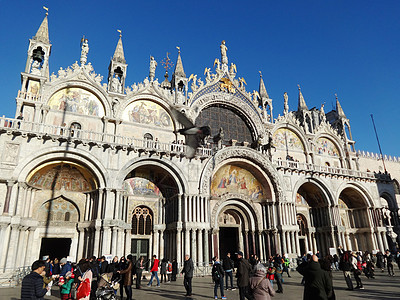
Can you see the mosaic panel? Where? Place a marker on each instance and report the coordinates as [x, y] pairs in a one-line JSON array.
[[236, 180], [77, 100], [285, 138], [149, 113], [326, 147]]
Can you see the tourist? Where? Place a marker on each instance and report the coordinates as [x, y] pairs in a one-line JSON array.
[[217, 275], [174, 269], [242, 275], [94, 267], [389, 262], [228, 266], [85, 276], [318, 284], [56, 267], [260, 285], [139, 271], [286, 265], [103, 265], [345, 266], [122, 266], [154, 271], [163, 269], [32, 284], [128, 278], [380, 261], [187, 270], [66, 286], [356, 268], [278, 277]]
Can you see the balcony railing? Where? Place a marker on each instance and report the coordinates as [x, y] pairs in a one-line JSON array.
[[301, 166], [29, 96], [87, 137]]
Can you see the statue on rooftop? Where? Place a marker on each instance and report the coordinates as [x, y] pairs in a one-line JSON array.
[[224, 57], [153, 66], [84, 50]]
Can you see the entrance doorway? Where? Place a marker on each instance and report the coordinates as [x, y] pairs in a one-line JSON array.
[[55, 247], [302, 243], [228, 241], [140, 247]]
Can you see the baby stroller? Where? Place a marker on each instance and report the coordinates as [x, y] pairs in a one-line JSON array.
[[106, 287]]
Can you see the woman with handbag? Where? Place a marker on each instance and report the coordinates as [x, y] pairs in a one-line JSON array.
[[84, 280], [260, 285]]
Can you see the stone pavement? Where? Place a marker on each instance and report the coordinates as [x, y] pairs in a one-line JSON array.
[[380, 288]]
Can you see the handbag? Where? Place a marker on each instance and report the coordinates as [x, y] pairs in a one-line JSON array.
[[83, 289]]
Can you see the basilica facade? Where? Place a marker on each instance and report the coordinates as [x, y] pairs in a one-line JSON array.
[[94, 166]]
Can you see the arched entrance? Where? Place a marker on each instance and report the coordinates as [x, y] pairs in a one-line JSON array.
[[153, 195], [312, 208], [61, 189], [353, 212], [235, 228]]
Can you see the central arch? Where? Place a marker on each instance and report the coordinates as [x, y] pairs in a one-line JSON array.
[[235, 223]]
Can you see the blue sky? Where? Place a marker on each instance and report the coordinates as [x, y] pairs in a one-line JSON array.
[[350, 48]]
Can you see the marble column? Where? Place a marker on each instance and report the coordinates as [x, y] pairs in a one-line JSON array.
[[156, 243], [206, 247], [246, 237], [200, 246], [296, 240], [178, 246], [162, 243], [380, 242], [261, 245], [106, 240], [187, 241], [114, 239], [284, 249], [385, 242]]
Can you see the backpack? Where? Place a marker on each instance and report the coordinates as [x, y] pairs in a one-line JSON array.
[[169, 267], [215, 273]]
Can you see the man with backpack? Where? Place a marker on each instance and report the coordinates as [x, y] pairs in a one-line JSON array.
[[345, 266], [227, 265], [217, 273]]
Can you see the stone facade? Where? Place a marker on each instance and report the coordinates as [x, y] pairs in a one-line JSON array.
[[102, 169]]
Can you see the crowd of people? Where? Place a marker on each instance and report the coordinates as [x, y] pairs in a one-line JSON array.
[[82, 280], [255, 280]]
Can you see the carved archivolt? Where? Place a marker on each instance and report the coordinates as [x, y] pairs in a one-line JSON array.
[[243, 153], [243, 204]]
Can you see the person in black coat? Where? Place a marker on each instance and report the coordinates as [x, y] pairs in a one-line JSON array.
[[188, 269], [103, 265], [243, 276], [32, 284], [318, 284], [228, 265], [174, 269]]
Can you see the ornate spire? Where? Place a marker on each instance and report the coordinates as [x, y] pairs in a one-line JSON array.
[[179, 66], [339, 108], [262, 90], [302, 103], [119, 51], [42, 35]]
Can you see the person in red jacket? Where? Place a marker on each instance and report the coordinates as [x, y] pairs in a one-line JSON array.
[[154, 271]]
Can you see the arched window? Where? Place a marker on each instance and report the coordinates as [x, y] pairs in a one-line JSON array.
[[148, 140], [67, 216], [75, 127], [142, 221]]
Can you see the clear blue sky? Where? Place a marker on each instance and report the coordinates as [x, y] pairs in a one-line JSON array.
[[350, 48]]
